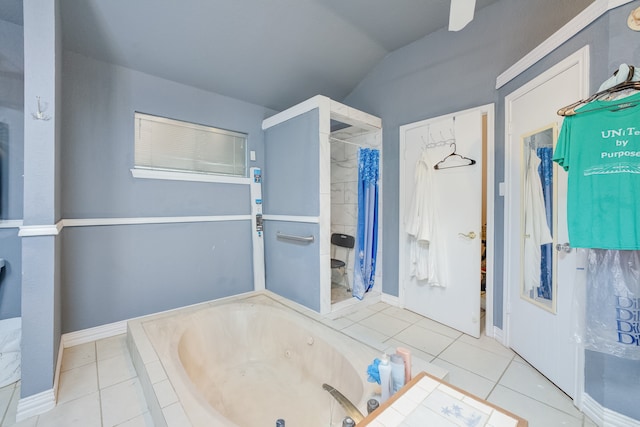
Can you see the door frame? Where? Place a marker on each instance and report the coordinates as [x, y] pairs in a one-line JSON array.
[[512, 196], [489, 111]]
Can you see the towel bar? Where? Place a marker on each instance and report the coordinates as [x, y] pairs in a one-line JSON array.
[[306, 239]]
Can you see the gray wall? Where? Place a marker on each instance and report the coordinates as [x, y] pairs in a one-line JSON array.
[[99, 101], [608, 379], [292, 269], [292, 167], [612, 381], [291, 186], [446, 72], [111, 273], [40, 299], [460, 74], [11, 163]]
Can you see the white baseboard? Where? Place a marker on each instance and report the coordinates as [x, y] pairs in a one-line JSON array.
[[42, 402], [390, 299], [93, 334], [56, 378], [35, 404], [498, 335], [604, 416]]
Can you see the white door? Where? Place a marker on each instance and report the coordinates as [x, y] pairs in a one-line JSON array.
[[457, 198], [539, 292]]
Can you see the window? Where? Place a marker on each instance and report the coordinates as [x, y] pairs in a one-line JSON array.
[[175, 146]]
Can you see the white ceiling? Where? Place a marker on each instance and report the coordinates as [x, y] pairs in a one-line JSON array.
[[274, 53]]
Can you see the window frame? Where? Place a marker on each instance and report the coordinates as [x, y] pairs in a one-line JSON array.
[[150, 172]]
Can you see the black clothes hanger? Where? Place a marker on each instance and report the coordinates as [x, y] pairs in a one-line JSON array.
[[441, 165], [570, 110]]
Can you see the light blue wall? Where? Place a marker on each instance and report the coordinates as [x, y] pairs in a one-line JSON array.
[[291, 186], [292, 268], [40, 300], [596, 36], [11, 163], [119, 272], [611, 381], [432, 77], [292, 167], [111, 273], [446, 72], [99, 100]]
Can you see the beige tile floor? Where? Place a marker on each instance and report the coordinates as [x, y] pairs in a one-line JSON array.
[[99, 386]]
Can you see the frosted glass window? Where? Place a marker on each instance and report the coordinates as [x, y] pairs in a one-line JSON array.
[[177, 146]]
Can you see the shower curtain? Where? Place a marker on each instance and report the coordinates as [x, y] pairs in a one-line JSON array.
[[367, 232], [545, 170]]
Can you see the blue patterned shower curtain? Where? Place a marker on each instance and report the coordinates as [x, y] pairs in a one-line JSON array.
[[545, 170], [367, 233]]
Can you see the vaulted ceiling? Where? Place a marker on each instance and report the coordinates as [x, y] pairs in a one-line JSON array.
[[273, 53]]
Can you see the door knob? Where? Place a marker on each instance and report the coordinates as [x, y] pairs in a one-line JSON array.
[[565, 247], [470, 235]]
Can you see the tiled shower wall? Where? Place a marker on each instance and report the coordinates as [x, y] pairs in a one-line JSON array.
[[344, 193]]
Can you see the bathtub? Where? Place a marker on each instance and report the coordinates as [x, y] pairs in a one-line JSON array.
[[247, 361]]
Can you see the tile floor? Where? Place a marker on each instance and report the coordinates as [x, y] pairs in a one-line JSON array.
[[99, 386]]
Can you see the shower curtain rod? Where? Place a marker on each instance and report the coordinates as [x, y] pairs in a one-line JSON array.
[[349, 142]]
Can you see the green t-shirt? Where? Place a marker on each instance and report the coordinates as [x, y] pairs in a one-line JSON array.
[[601, 151]]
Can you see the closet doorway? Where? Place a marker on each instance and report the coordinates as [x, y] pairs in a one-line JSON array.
[[455, 174]]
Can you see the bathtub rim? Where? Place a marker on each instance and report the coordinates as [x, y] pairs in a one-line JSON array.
[[152, 373]]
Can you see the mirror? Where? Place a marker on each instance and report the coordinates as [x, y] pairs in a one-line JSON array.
[[539, 218]]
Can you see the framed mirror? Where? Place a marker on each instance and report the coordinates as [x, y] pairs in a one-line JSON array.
[[539, 218]]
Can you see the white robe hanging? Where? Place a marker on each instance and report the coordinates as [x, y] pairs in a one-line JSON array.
[[421, 225], [536, 229]]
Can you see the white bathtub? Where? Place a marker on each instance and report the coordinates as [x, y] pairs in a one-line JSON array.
[[246, 362]]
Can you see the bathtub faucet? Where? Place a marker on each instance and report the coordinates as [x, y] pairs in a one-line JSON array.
[[346, 404]]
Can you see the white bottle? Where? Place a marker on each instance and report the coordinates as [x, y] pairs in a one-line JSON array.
[[385, 378], [397, 373]]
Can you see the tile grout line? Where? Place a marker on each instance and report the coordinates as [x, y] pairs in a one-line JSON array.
[[513, 360], [6, 411], [501, 376], [95, 346]]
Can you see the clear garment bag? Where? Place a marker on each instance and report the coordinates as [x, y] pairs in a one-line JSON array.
[[609, 317]]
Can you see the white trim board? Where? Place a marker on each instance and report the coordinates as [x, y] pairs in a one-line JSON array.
[[55, 229], [45, 401], [40, 230], [108, 330], [570, 29], [498, 335], [94, 222], [187, 176], [605, 416], [35, 404], [390, 299], [296, 110], [337, 110], [11, 223], [94, 334]]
